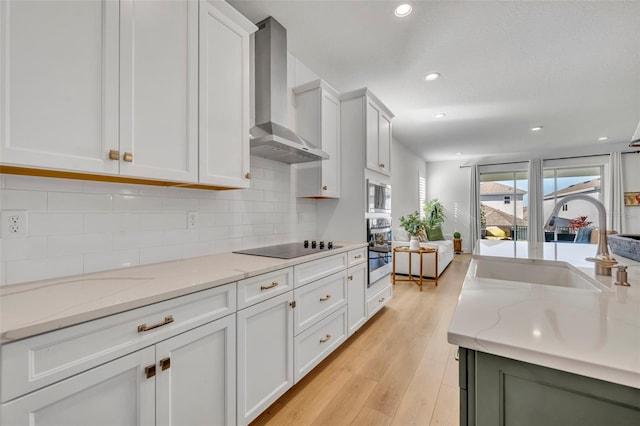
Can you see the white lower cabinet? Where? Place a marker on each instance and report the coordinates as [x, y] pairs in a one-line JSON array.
[[115, 393], [187, 379], [356, 296], [378, 297], [196, 376], [265, 355], [313, 345]]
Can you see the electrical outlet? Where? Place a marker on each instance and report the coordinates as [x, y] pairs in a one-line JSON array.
[[14, 223], [192, 220]]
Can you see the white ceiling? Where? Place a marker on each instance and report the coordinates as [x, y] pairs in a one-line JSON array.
[[570, 66]]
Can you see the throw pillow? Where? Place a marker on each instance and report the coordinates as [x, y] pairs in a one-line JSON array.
[[435, 233], [583, 235]]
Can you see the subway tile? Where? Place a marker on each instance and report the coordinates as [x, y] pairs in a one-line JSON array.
[[213, 234], [135, 203], [240, 206], [214, 206], [199, 249], [263, 184], [127, 240], [160, 254], [22, 271], [180, 204], [79, 202], [263, 207], [126, 222], [104, 261], [99, 222], [266, 229], [3, 273], [241, 231], [23, 248], [11, 199], [253, 218], [55, 223], [180, 236], [78, 244], [166, 221]]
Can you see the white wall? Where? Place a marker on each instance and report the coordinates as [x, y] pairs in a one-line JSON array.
[[450, 183], [406, 168]]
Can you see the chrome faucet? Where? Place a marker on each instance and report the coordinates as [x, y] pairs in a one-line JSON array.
[[603, 260]]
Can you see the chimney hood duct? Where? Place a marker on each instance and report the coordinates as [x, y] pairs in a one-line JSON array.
[[269, 138]]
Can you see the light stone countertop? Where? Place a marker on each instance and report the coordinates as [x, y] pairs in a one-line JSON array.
[[592, 332], [38, 307]]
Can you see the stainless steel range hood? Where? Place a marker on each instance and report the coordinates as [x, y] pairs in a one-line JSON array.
[[269, 138]]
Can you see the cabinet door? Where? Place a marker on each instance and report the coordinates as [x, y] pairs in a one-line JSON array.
[[373, 136], [59, 84], [116, 393], [384, 144], [356, 297], [159, 89], [265, 355], [224, 95], [330, 180], [196, 376]]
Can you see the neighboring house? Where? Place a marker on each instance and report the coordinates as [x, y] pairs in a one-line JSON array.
[[575, 208], [505, 221], [502, 197]]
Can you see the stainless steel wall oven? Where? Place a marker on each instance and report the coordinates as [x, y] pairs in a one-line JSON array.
[[379, 237]]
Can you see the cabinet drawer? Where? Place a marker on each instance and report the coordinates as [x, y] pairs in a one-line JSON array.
[[312, 346], [316, 269], [357, 256], [378, 300], [32, 363], [316, 300], [256, 289]]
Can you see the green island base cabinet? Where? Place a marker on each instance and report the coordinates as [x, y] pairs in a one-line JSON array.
[[500, 391], [218, 356]]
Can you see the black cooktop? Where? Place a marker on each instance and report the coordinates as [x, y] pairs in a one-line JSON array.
[[288, 251]]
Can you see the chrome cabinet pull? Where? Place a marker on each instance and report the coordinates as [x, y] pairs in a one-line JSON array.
[[381, 300], [114, 154], [150, 371], [324, 299], [326, 338], [165, 363], [267, 287], [128, 157], [144, 327]]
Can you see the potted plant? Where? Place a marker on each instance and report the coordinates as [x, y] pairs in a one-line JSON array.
[[457, 242], [414, 225], [434, 212]]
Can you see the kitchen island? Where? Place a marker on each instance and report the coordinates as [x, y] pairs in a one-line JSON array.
[[528, 342]]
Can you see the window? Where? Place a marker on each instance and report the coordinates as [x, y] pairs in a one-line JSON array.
[[504, 202], [422, 193], [562, 181]]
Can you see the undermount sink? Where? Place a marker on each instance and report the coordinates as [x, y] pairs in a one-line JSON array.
[[533, 271]]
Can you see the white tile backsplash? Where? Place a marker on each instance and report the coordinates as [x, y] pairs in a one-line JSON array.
[[80, 227]]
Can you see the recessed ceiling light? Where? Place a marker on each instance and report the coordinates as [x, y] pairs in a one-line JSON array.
[[603, 138], [536, 129], [432, 76], [403, 10], [458, 153], [440, 115]]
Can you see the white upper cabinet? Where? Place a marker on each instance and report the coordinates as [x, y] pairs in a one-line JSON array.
[[224, 95], [159, 89], [318, 121], [378, 133], [59, 84], [143, 89]]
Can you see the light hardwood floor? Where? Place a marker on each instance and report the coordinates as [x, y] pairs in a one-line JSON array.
[[398, 369]]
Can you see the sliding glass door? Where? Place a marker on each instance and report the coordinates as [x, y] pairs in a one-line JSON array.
[[504, 205]]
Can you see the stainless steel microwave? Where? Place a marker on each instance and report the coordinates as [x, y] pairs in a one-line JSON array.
[[378, 197]]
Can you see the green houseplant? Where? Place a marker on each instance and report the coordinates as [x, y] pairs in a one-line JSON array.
[[456, 235], [434, 212], [413, 224]]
